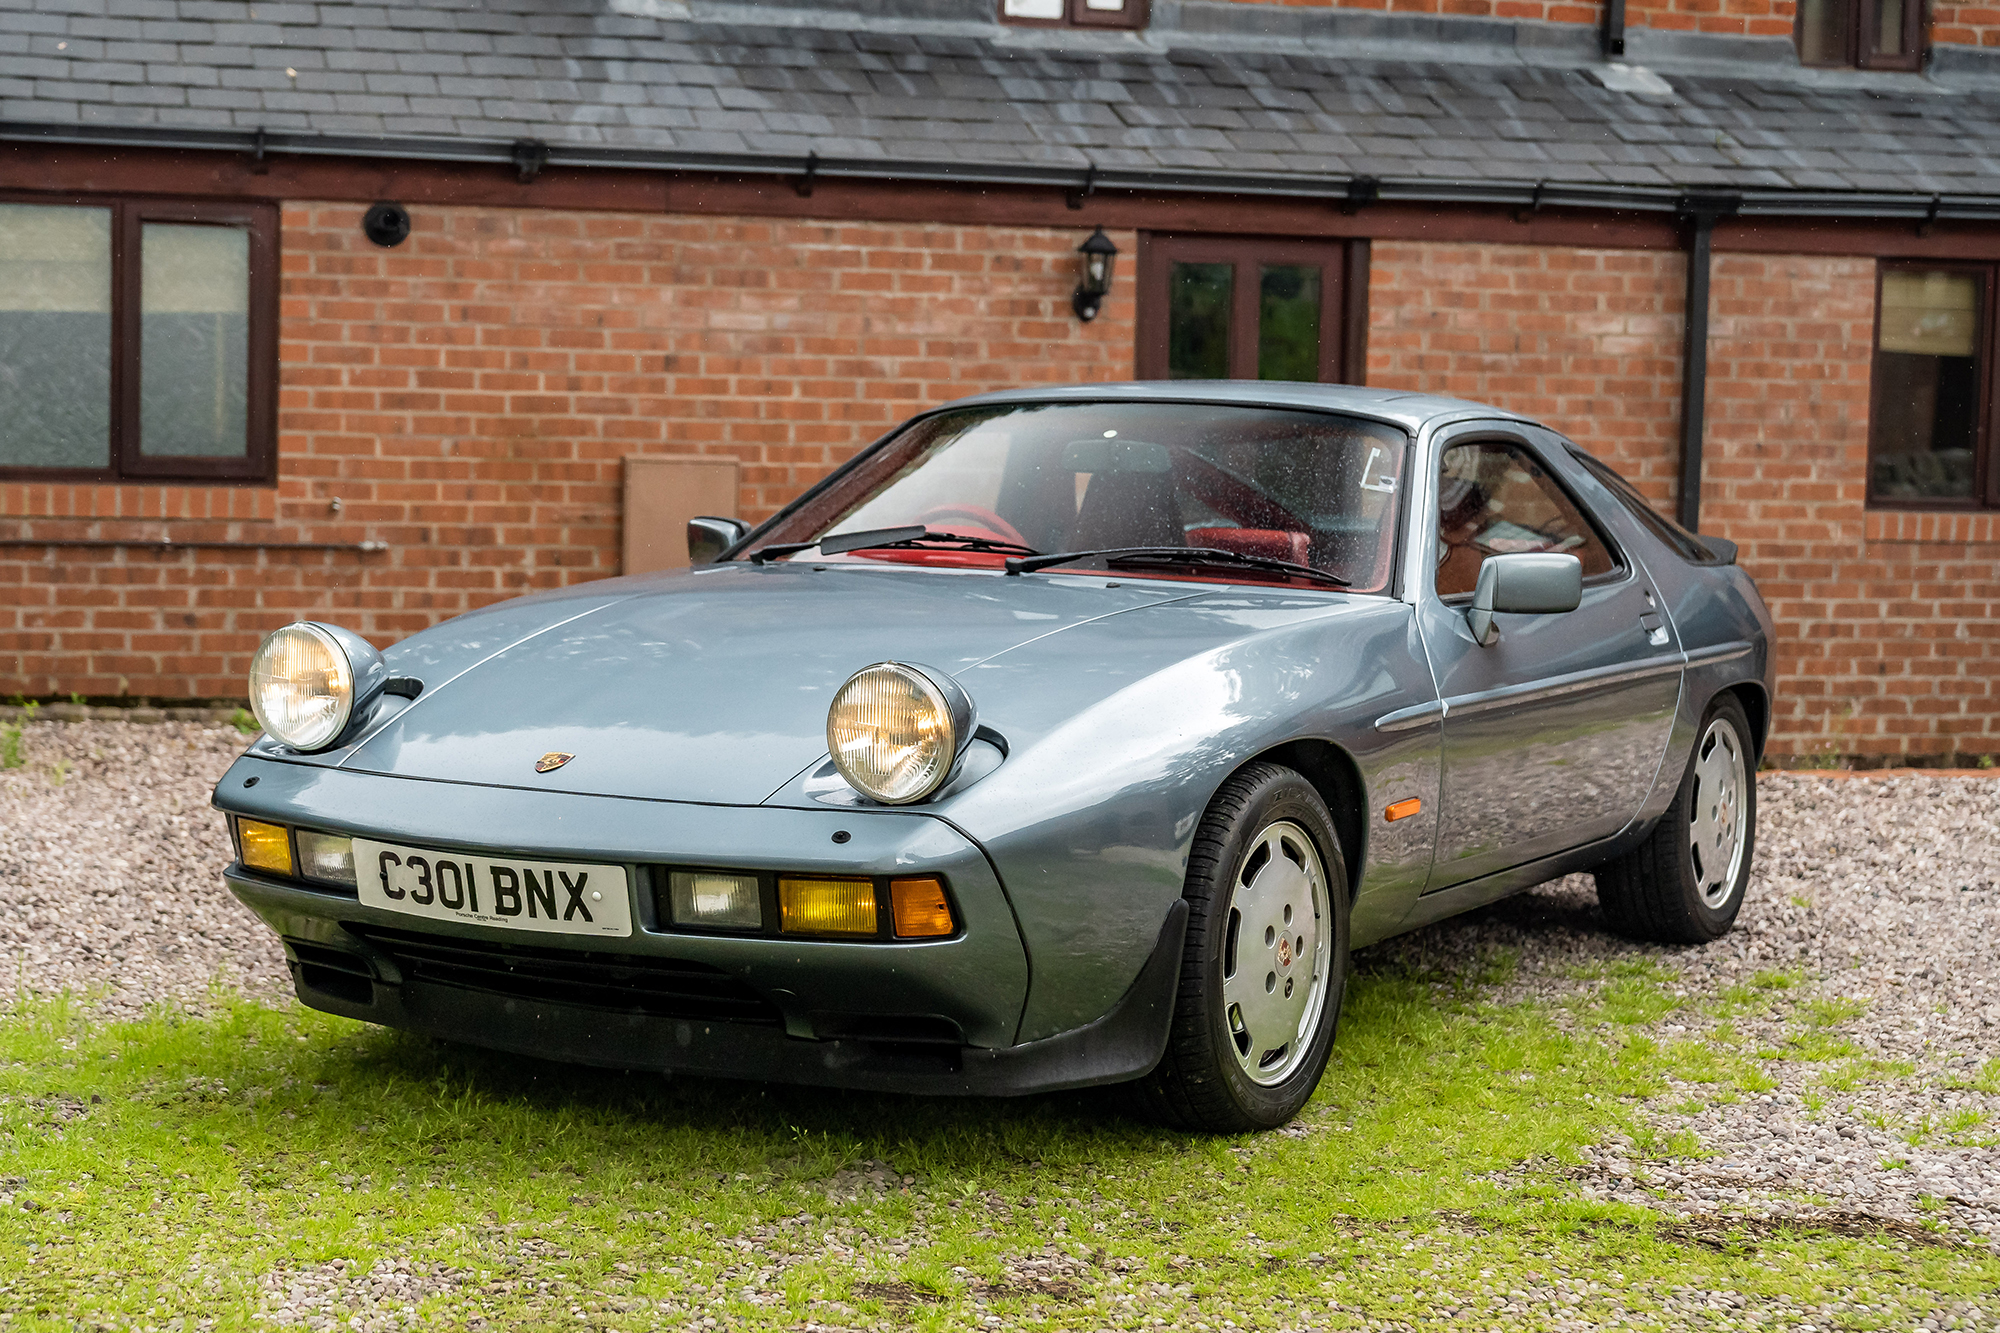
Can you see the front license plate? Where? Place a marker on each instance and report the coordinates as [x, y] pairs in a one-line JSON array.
[[553, 897]]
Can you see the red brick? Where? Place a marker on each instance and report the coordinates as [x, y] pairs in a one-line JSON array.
[[470, 397]]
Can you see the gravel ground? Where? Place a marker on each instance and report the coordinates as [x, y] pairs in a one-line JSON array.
[[1875, 903], [110, 868], [1867, 938]]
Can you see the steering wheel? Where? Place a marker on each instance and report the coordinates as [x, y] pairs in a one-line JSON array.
[[958, 517]]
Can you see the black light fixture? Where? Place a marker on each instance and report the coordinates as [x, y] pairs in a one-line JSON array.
[[1098, 253]]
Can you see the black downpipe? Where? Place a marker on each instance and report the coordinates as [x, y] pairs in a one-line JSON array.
[[1702, 212], [1614, 28]]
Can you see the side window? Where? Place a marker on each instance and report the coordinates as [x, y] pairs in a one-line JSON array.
[[1494, 498]]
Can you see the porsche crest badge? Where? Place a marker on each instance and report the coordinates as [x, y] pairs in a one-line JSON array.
[[552, 761]]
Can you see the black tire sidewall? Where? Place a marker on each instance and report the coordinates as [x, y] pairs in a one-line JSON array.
[[1278, 794], [1716, 921]]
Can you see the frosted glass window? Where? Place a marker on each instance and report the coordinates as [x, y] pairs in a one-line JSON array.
[[1033, 9], [194, 353], [1889, 27], [55, 336], [1823, 31]]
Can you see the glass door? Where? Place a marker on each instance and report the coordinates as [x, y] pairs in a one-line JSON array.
[[1234, 308]]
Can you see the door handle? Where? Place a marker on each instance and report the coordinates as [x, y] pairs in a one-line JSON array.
[[1656, 630]]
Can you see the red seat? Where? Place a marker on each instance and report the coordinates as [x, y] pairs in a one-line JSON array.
[[1269, 543]]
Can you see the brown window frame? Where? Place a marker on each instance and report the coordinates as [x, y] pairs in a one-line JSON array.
[[1986, 440], [129, 215], [1343, 320], [1858, 18], [1077, 14]]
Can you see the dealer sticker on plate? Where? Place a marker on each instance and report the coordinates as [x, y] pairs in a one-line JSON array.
[[547, 896]]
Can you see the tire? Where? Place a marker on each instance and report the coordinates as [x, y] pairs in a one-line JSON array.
[[1253, 1021], [1684, 884]]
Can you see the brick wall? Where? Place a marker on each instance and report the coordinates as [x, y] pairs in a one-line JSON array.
[[1965, 24], [467, 398], [1742, 18], [1588, 341], [1888, 624]]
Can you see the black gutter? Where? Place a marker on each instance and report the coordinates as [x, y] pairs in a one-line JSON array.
[[1702, 211], [1915, 205]]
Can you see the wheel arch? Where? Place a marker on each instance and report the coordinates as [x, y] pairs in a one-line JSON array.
[[1337, 778], [1756, 707]]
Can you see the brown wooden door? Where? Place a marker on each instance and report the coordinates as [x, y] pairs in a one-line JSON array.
[[1252, 308]]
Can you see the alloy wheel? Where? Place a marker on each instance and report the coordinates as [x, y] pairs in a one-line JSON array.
[[1715, 821], [1274, 962]]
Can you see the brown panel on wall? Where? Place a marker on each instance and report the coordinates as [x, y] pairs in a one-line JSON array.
[[661, 495]]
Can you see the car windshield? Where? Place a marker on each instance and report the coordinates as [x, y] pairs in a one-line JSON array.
[[1312, 488]]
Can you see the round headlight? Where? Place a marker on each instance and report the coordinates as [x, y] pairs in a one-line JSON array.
[[302, 686], [896, 730]]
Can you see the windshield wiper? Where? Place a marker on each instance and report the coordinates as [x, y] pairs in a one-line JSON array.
[[1177, 555], [915, 537]]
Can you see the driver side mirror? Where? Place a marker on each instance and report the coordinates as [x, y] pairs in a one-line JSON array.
[[709, 537], [1526, 583]]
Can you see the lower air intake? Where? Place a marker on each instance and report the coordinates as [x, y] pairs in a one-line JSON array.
[[620, 983]]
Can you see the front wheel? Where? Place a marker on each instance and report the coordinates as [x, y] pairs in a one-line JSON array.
[[1684, 884], [1264, 968]]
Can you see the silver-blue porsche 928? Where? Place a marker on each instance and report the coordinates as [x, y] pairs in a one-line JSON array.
[[1063, 737]]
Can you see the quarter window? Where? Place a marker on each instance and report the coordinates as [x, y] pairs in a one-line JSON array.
[[1870, 34], [1930, 432], [1671, 534], [1221, 309], [1494, 498], [137, 341]]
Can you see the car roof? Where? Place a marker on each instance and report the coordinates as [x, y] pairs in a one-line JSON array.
[[1411, 411]]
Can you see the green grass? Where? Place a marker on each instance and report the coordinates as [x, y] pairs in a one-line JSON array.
[[201, 1168]]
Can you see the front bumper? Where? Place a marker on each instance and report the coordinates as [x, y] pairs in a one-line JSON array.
[[933, 1016]]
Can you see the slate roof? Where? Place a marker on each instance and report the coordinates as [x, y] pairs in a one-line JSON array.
[[950, 92]]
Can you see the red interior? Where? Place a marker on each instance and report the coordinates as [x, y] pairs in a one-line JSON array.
[[1267, 543]]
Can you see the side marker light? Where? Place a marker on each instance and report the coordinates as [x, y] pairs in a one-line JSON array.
[[920, 908], [1402, 809]]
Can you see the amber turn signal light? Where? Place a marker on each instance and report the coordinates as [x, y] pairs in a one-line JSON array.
[[266, 847], [1402, 809], [920, 909], [826, 906]]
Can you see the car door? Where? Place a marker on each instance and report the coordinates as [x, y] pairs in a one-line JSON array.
[[1553, 732]]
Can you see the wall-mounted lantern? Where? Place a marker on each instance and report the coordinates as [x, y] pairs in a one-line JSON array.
[[1098, 253]]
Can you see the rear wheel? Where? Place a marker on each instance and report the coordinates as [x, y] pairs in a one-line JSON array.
[[1264, 967], [1684, 884]]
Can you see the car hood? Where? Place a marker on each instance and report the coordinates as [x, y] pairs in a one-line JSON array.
[[704, 686]]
